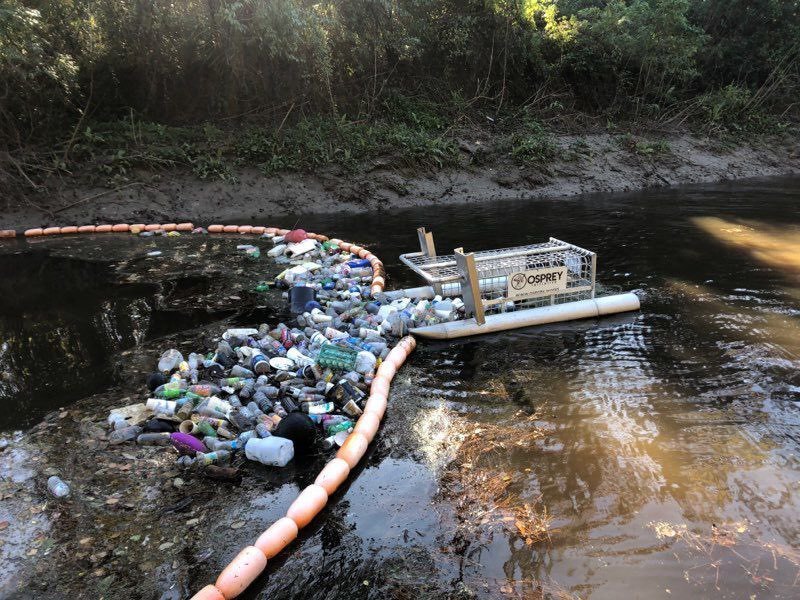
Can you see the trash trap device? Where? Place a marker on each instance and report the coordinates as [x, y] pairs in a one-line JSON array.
[[508, 287]]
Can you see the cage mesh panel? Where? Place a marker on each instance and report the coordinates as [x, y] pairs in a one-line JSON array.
[[494, 266]]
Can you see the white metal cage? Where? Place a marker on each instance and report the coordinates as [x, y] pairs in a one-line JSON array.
[[482, 278]]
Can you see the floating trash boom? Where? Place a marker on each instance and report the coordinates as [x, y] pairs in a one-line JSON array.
[[508, 288]]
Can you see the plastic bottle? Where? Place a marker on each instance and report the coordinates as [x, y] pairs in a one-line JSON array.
[[126, 434], [218, 457], [117, 421], [247, 388], [365, 362], [215, 444], [186, 409], [240, 371], [171, 390], [217, 404], [57, 487], [318, 408], [259, 363], [241, 419], [339, 427], [273, 451], [277, 250], [170, 360], [165, 407], [203, 389], [154, 439]]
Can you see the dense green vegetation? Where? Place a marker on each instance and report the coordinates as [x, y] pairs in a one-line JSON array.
[[289, 84]]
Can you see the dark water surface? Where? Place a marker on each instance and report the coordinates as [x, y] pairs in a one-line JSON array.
[[661, 447]]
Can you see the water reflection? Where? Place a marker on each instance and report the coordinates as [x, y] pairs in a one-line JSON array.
[[69, 306]]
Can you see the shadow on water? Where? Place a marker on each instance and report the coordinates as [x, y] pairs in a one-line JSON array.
[[644, 455]]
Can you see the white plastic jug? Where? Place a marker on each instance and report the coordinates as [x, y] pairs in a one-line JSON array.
[[273, 451]]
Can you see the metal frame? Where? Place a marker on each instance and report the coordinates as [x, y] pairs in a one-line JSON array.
[[482, 277]]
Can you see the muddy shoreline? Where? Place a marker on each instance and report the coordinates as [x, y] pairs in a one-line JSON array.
[[595, 163]]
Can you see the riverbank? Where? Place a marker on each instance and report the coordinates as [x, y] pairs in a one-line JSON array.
[[578, 164]]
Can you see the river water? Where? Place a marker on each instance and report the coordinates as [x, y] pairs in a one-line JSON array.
[[648, 455]]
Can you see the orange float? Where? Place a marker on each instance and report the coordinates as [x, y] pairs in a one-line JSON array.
[[353, 449], [215, 229], [258, 230], [388, 370], [7, 233], [51, 230], [35, 232], [380, 385], [244, 228], [308, 504], [271, 230], [368, 425], [333, 474], [208, 593], [152, 227], [375, 405], [230, 229], [279, 535], [184, 227], [103, 229], [169, 226], [241, 572], [120, 228], [86, 229]]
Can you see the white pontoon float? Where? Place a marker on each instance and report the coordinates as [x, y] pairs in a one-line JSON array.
[[510, 288]]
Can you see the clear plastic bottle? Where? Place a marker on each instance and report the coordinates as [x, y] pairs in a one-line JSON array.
[[57, 487], [126, 434], [154, 439], [170, 360]]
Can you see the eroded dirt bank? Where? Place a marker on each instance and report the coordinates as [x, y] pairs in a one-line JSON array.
[[589, 163]]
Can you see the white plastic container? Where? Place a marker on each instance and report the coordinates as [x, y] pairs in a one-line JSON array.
[[299, 248], [164, 407], [273, 451]]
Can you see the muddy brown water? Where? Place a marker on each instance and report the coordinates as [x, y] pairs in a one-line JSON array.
[[660, 449]]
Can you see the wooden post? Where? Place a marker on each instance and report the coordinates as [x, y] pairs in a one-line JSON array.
[[470, 290], [428, 248]]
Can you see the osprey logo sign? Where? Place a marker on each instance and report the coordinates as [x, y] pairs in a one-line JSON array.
[[536, 282]]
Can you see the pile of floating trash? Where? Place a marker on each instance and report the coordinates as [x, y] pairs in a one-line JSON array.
[[274, 392]]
